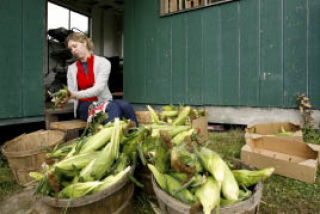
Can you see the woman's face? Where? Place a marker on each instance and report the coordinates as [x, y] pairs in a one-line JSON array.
[[78, 49]]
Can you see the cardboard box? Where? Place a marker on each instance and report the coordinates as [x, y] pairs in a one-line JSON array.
[[201, 125], [273, 129], [290, 157]]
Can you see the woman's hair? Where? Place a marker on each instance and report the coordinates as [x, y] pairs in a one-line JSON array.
[[80, 37]]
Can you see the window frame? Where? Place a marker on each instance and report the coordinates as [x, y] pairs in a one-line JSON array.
[[164, 6]]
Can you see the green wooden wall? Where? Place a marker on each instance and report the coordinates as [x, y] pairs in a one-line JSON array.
[[22, 58], [258, 53]]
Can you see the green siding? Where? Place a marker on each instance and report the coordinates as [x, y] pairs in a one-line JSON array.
[[178, 57], [230, 55], [33, 60], [194, 58], [212, 59], [11, 59], [314, 52], [295, 49], [249, 53], [22, 44], [258, 53], [271, 60]]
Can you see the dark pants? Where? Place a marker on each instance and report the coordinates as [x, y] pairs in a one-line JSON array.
[[116, 108]]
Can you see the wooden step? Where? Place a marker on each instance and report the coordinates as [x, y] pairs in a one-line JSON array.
[[68, 125]]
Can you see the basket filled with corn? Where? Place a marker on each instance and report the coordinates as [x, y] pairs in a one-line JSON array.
[[198, 179], [93, 172]]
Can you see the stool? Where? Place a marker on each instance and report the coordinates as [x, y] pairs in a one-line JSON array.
[[70, 127]]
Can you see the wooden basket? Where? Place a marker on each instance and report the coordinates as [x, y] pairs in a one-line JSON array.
[[116, 199], [25, 152]]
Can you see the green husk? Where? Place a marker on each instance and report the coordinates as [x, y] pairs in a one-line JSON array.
[[111, 180], [183, 116], [212, 162], [160, 178], [172, 187], [209, 195], [229, 187], [79, 189], [79, 161], [97, 141], [248, 178], [153, 115], [180, 137], [105, 159]]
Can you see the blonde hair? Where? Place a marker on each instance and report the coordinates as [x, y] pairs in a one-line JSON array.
[[80, 37]]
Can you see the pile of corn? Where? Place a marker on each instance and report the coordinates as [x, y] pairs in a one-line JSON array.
[[91, 164], [189, 171], [182, 115]]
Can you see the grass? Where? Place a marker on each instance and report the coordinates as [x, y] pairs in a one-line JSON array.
[[8, 185], [280, 194]]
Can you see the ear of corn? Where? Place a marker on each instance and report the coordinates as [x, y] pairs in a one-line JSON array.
[[169, 108], [79, 189], [153, 115], [229, 187], [61, 152], [160, 178], [212, 162], [180, 137], [111, 180], [248, 178], [172, 187], [97, 141], [243, 195], [209, 195], [105, 159], [79, 161], [182, 117]]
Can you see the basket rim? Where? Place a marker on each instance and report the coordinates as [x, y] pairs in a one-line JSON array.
[[89, 199], [29, 152], [169, 200]]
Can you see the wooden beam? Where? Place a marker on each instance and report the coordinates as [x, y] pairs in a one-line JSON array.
[[164, 7], [180, 5], [173, 5], [187, 4], [195, 3]]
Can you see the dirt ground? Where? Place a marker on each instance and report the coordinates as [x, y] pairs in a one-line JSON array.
[[19, 203]]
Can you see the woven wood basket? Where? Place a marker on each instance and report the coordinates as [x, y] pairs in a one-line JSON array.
[[25, 152]]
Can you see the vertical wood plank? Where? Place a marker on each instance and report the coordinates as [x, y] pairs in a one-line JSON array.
[[163, 77], [195, 3], [178, 59], [151, 49], [173, 6], [271, 88], [212, 55], [11, 59], [314, 53], [230, 55], [140, 52], [249, 53], [180, 3], [187, 4], [129, 52], [194, 59], [165, 6], [295, 50], [33, 57]]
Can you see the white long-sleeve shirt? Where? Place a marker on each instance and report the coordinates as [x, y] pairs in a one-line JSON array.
[[100, 89]]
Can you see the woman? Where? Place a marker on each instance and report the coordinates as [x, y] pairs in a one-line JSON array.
[[88, 81]]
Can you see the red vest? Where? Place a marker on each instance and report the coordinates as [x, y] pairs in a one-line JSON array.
[[86, 81]]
